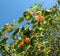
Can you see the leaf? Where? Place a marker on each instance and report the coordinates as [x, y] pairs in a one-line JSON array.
[[16, 31], [28, 17], [4, 28], [19, 54], [33, 8], [58, 1], [22, 29], [3, 41], [17, 44], [26, 31], [59, 17], [20, 20], [0, 34], [20, 49], [46, 12], [27, 27], [25, 13]]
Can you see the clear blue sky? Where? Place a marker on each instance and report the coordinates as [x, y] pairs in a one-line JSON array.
[[13, 9]]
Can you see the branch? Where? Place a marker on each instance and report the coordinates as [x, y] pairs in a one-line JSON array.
[[5, 50]]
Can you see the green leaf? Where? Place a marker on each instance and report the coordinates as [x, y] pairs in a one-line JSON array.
[[27, 27], [17, 44], [19, 54], [22, 29], [33, 8], [59, 17], [16, 31], [25, 13], [3, 41], [46, 12], [58, 1], [0, 34], [26, 31], [20, 20], [28, 17], [4, 28]]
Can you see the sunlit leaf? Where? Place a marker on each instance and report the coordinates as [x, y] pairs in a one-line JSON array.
[[20, 20]]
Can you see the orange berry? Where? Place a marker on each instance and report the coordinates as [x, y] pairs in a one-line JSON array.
[[5, 36], [31, 14], [21, 43], [10, 26], [27, 40], [40, 18]]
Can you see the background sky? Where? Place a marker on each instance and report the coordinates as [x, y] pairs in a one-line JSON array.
[[13, 9]]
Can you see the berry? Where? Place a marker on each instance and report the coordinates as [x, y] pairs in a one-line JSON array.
[[10, 26], [21, 43], [40, 18], [27, 40], [31, 14]]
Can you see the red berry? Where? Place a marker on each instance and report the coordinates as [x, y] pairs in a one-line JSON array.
[[27, 40], [21, 43]]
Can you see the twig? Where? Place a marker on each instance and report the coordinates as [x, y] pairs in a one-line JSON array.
[[5, 50]]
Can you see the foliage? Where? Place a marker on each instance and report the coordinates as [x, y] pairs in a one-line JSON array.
[[40, 40]]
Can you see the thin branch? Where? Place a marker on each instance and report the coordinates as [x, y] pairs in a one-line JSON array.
[[5, 50]]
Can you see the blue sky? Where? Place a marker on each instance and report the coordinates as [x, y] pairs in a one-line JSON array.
[[13, 9]]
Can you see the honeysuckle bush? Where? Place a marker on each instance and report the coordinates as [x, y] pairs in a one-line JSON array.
[[41, 39]]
